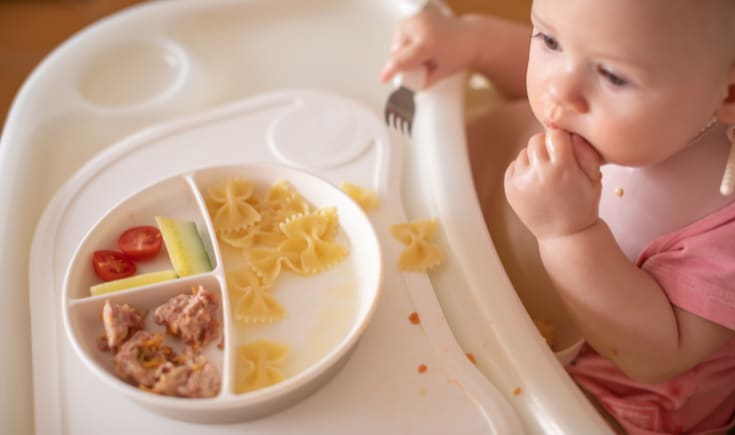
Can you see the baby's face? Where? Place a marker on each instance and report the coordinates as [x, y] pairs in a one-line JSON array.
[[636, 78]]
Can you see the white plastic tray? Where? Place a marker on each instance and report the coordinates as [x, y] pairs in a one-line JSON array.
[[285, 127], [193, 56]]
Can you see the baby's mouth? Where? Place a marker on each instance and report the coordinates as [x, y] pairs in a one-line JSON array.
[[552, 116], [550, 125], [576, 137]]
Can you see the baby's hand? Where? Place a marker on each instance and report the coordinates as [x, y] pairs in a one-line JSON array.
[[431, 40], [554, 184]]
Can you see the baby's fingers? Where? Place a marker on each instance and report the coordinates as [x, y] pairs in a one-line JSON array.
[[522, 167], [572, 149], [536, 150], [587, 157], [559, 147], [409, 56], [399, 40]]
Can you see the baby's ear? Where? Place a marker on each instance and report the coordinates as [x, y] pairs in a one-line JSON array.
[[726, 112]]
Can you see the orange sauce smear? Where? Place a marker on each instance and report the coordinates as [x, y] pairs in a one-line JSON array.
[[414, 318], [471, 358]]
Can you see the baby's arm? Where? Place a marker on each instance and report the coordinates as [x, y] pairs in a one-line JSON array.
[[554, 187], [445, 44], [623, 312]]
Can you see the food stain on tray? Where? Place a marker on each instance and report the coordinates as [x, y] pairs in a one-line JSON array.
[[471, 357], [414, 318]]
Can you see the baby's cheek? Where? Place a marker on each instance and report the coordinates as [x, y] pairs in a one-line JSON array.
[[535, 99], [536, 103], [532, 85]]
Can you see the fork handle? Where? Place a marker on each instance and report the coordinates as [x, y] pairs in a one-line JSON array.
[[413, 79]]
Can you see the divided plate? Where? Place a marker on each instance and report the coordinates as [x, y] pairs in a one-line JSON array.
[[326, 313]]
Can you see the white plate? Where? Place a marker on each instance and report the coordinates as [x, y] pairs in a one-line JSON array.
[[325, 313]]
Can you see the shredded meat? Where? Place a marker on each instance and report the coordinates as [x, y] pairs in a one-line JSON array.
[[147, 362], [191, 317], [120, 322], [143, 358], [196, 377], [140, 357]]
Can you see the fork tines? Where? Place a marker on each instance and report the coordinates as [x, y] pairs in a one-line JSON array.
[[399, 110]]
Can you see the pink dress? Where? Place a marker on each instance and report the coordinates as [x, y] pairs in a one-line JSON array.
[[696, 268]]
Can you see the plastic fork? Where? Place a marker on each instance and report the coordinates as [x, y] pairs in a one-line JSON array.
[[401, 105]]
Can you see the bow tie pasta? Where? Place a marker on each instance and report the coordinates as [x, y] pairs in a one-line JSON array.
[[420, 252], [269, 233]]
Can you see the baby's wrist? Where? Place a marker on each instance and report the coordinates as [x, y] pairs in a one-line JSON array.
[[475, 31], [567, 235]]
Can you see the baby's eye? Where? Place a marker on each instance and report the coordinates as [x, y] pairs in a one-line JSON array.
[[611, 77], [549, 41]]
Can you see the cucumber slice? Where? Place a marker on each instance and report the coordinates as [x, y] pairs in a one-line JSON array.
[[132, 281], [184, 245]]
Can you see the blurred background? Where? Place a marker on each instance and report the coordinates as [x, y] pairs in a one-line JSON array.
[[30, 29]]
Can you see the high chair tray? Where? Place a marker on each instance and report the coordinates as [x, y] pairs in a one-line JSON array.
[[381, 388], [171, 86]]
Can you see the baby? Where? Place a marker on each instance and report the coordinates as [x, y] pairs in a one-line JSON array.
[[640, 94]]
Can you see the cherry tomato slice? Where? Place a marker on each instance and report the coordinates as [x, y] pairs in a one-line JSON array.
[[112, 265], [140, 243]]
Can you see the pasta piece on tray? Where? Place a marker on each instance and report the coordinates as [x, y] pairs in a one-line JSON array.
[[420, 252]]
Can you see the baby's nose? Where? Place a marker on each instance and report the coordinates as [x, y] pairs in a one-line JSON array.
[[565, 92]]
